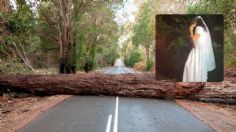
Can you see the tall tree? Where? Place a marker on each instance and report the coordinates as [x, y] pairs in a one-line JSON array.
[[4, 8], [58, 14], [65, 18]]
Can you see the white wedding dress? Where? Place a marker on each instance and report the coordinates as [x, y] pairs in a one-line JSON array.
[[200, 59]]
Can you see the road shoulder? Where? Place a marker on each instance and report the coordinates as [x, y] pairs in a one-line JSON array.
[[220, 117], [15, 113]]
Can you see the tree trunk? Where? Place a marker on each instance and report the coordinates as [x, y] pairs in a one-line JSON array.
[[143, 85], [74, 55], [4, 26], [131, 85], [5, 6], [64, 58]]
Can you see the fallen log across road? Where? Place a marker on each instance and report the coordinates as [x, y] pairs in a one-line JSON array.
[[130, 85]]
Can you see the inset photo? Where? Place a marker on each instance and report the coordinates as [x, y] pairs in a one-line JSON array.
[[189, 48]]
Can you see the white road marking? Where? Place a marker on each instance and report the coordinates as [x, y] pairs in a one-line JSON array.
[[108, 128], [115, 127]]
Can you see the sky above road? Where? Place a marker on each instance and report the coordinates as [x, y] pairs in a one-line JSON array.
[[126, 13]]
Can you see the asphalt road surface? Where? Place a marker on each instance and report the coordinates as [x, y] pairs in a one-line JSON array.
[[116, 114], [118, 70]]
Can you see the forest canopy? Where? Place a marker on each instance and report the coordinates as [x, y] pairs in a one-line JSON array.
[[84, 35], [69, 34]]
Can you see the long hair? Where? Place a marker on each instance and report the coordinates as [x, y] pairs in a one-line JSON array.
[[199, 22]]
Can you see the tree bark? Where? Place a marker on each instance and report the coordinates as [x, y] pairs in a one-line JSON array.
[[130, 85], [5, 6], [95, 84], [65, 11], [74, 56]]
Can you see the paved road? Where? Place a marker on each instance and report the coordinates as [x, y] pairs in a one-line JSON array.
[[113, 114], [118, 70]]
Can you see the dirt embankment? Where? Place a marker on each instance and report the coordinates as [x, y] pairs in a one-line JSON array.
[[17, 112]]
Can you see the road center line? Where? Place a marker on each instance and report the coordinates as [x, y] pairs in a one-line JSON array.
[[115, 127], [109, 123]]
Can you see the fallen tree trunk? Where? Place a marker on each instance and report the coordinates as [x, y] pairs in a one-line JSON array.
[[141, 85], [224, 92], [221, 92], [130, 85]]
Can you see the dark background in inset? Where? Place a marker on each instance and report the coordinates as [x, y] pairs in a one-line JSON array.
[[173, 45]]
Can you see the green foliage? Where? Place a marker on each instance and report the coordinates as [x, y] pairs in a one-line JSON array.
[[98, 37], [80, 52], [144, 30], [91, 58], [107, 56], [133, 57], [18, 28], [13, 67], [22, 27], [38, 34], [22, 21], [149, 65], [92, 22]]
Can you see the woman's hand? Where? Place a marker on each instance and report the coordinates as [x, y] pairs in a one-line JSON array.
[[194, 36]]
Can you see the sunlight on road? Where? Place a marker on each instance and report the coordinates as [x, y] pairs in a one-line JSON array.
[[118, 68]]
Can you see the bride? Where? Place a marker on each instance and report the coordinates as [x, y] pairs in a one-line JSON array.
[[201, 57]]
